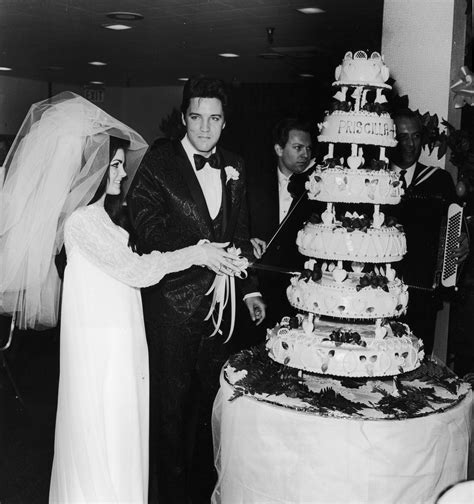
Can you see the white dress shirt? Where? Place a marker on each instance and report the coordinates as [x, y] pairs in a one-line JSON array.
[[284, 197], [410, 171], [209, 179]]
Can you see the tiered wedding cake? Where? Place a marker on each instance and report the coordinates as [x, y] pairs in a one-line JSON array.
[[349, 280]]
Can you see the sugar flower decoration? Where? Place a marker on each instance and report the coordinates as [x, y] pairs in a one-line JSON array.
[[322, 125]]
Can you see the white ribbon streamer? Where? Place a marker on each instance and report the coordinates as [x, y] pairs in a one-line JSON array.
[[223, 290]]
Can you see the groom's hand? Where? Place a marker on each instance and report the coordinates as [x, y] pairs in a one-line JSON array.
[[259, 247], [256, 307]]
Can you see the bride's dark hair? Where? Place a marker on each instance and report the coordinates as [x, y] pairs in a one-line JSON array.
[[114, 204]]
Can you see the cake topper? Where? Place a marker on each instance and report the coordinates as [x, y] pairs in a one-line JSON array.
[[359, 68]]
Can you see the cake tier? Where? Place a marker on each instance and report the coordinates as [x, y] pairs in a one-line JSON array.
[[371, 356], [346, 299], [322, 241], [359, 69], [361, 127], [345, 185]]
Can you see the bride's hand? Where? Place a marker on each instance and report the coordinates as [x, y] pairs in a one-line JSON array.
[[217, 259]]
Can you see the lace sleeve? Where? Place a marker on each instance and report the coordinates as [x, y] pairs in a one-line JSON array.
[[105, 245]]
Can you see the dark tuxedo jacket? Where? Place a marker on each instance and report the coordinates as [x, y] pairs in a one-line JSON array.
[[169, 212], [264, 216], [421, 212], [264, 221]]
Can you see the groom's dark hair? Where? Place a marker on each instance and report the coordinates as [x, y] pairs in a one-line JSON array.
[[205, 87]]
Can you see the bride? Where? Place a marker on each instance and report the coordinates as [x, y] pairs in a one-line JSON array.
[[67, 154]]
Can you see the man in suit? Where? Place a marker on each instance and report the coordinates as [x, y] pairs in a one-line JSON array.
[[186, 191], [277, 195], [428, 192]]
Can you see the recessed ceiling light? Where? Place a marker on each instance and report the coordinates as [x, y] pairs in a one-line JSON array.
[[311, 10], [229, 55], [125, 16], [184, 79], [96, 82], [97, 63], [6, 69], [306, 75], [117, 27]]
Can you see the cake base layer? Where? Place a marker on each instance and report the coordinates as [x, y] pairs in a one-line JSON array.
[[316, 351], [384, 245], [345, 185]]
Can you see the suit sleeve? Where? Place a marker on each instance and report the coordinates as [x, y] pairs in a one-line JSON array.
[[146, 202]]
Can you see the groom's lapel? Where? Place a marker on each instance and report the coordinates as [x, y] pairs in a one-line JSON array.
[[226, 193], [184, 166], [231, 190]]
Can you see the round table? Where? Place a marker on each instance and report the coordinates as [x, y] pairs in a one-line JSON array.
[[268, 452]]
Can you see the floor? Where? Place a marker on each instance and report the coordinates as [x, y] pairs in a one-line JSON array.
[[29, 373], [27, 416], [27, 420]]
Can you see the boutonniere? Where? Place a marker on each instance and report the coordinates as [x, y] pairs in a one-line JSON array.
[[231, 173]]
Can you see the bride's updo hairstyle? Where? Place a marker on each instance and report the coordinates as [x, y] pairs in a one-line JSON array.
[[114, 204]]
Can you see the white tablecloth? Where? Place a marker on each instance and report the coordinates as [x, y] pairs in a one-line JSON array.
[[271, 454]]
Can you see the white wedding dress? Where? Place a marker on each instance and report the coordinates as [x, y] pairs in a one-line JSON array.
[[101, 438]]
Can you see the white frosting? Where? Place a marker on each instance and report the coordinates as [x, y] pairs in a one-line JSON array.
[[360, 127], [343, 185], [360, 69], [338, 293], [342, 300], [387, 244], [314, 352]]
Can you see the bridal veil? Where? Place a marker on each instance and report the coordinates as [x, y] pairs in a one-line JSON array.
[[55, 165]]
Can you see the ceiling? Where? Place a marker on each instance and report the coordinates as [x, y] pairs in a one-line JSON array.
[[53, 40]]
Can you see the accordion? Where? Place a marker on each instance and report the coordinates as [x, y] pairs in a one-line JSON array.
[[447, 267]]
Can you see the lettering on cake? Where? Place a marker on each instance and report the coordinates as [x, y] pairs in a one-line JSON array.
[[369, 128]]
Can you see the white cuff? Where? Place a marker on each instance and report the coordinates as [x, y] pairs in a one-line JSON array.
[[252, 294]]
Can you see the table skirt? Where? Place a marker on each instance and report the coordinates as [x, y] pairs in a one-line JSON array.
[[271, 454]]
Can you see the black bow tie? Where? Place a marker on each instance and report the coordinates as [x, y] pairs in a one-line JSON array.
[[200, 161], [403, 180]]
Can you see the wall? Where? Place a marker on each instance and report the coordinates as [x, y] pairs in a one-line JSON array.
[[144, 108], [140, 108], [423, 44], [16, 97]]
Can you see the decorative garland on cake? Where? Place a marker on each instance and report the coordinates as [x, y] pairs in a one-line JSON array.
[[348, 105], [356, 223], [409, 401], [265, 377], [375, 164]]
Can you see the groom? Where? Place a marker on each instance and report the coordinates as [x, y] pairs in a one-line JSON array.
[[183, 192]]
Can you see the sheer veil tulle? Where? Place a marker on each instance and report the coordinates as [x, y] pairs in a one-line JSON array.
[[55, 165]]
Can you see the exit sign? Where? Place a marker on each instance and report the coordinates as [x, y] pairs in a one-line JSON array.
[[94, 94]]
